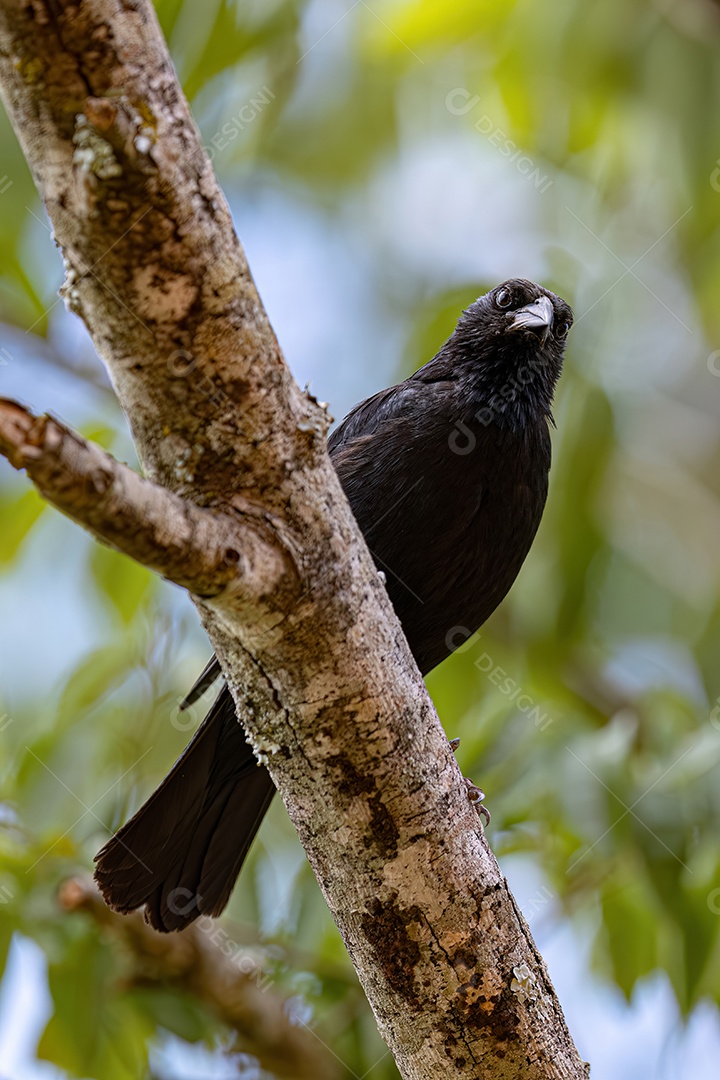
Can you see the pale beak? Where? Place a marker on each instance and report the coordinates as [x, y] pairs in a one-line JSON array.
[[536, 317]]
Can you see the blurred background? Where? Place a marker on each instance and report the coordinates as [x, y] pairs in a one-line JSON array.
[[386, 162]]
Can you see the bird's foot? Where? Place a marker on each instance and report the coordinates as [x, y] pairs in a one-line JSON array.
[[475, 794]]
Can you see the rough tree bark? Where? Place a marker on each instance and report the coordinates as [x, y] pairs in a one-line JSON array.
[[241, 506]]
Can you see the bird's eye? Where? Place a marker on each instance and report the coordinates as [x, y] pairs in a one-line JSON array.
[[503, 298], [561, 329]]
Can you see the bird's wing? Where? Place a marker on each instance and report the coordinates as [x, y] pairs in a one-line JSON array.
[[365, 419], [362, 420]]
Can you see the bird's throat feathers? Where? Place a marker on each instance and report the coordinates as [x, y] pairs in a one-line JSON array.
[[503, 381]]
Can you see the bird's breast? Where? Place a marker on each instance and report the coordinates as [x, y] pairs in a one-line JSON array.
[[450, 531]]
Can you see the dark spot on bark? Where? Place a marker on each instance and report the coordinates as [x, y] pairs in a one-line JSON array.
[[460, 1062], [467, 958], [383, 829], [396, 953], [237, 389], [501, 1020], [350, 781]]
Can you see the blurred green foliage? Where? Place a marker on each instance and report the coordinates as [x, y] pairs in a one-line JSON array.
[[607, 779]]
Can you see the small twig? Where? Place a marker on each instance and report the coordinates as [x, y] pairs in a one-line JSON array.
[[204, 961]]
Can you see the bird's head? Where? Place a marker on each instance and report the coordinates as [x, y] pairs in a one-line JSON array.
[[513, 338]]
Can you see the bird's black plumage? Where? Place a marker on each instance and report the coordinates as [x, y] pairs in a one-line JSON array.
[[447, 476]]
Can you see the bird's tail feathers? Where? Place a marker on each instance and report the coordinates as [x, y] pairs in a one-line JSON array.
[[181, 853]]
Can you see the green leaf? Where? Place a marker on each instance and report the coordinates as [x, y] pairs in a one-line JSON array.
[[630, 933], [17, 517], [93, 1031], [124, 584], [94, 677], [178, 1013]]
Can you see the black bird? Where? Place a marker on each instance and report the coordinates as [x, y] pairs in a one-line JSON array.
[[447, 476]]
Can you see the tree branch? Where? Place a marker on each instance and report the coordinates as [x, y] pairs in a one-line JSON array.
[[205, 962], [319, 667], [203, 551]]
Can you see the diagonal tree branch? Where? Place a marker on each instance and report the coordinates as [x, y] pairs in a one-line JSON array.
[[319, 667], [204, 551]]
